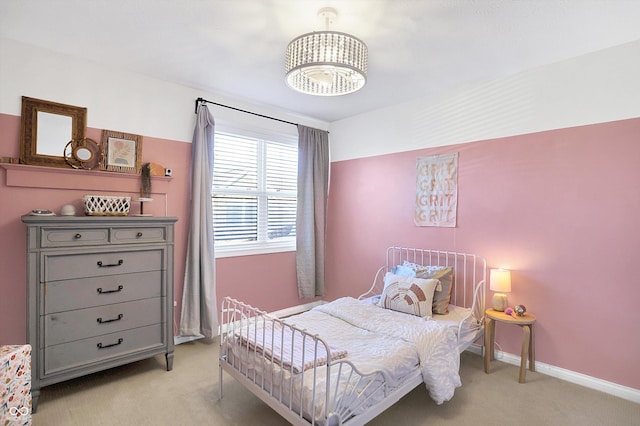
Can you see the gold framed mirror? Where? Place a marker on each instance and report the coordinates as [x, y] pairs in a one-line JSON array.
[[47, 127]]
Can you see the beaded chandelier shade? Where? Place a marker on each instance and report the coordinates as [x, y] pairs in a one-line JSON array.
[[326, 63]]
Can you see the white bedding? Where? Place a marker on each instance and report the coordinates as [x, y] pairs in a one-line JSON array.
[[401, 346], [434, 343], [367, 350]]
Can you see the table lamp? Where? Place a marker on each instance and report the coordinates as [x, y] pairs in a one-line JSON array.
[[500, 282]]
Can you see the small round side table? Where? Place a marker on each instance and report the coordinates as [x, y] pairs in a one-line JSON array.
[[528, 350]]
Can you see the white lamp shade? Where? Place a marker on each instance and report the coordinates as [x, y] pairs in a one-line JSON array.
[[500, 280]]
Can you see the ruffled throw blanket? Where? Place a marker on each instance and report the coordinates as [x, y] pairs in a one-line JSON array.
[[286, 347]]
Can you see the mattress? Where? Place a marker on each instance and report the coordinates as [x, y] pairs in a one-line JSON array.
[[455, 316]]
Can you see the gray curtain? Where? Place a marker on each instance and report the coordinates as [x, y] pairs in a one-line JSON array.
[[199, 305], [313, 191]]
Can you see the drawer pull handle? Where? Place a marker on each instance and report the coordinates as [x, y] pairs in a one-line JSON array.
[[78, 236], [139, 234], [100, 265], [101, 291], [118, 318], [101, 346]]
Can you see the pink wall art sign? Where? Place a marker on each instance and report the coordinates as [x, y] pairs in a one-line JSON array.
[[437, 190]]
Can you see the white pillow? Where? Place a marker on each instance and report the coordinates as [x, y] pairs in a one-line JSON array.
[[408, 294]]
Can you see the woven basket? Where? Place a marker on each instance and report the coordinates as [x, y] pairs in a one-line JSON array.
[[106, 205]]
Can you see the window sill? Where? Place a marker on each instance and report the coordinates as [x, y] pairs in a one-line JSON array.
[[221, 252]]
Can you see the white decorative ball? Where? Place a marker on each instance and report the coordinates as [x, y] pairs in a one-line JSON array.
[[68, 210]]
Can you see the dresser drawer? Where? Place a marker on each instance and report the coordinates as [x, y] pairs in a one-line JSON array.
[[138, 235], [69, 266], [85, 352], [66, 295], [68, 326], [58, 237]]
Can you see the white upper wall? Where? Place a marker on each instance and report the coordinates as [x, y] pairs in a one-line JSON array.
[[120, 100], [594, 88], [598, 87]]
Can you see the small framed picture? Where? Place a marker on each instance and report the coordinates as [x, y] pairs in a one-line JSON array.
[[122, 152]]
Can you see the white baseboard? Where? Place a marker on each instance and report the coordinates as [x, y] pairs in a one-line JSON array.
[[614, 389], [296, 309], [184, 339], [476, 349]]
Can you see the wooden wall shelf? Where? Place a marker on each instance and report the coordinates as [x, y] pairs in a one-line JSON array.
[[20, 175]]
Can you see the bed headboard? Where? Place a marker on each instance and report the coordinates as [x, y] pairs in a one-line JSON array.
[[470, 274]]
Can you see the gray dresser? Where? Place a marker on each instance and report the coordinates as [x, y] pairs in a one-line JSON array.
[[99, 294]]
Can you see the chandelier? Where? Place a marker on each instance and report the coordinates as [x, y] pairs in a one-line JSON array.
[[326, 63]]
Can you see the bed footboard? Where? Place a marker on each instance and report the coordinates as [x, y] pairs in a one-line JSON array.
[[295, 372]]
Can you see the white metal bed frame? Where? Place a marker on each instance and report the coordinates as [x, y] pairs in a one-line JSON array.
[[348, 395], [468, 291]]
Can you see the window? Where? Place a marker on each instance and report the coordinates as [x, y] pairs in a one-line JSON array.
[[254, 194]]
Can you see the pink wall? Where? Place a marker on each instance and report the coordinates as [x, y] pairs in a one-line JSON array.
[[559, 208], [267, 282], [255, 279]]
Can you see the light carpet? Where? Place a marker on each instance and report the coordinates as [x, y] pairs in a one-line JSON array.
[[144, 393]]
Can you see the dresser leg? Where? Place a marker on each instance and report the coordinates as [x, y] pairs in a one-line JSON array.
[[169, 357], [35, 396]]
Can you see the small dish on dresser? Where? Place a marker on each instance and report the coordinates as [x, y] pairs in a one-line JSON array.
[[41, 213]]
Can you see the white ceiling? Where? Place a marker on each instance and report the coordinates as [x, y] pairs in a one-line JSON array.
[[236, 48]]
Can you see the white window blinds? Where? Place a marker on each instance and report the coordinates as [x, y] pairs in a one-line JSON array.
[[254, 193]]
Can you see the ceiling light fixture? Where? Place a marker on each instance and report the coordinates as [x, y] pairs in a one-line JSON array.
[[326, 63]]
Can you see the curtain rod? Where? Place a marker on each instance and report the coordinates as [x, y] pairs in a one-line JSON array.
[[241, 110]]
